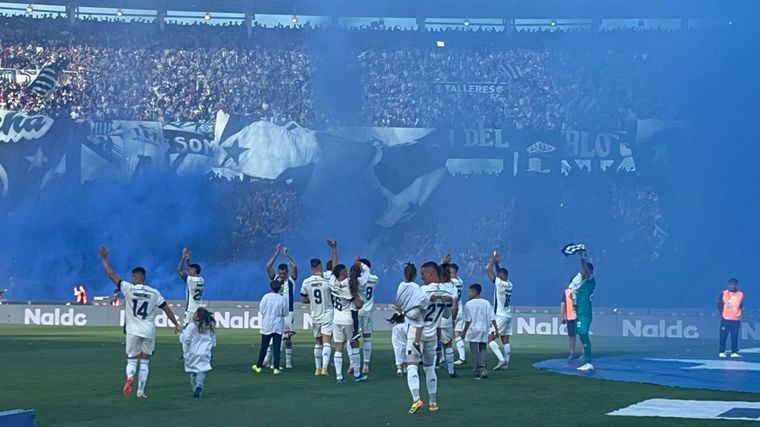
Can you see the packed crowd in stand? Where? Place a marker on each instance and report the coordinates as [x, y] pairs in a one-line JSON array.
[[135, 71]]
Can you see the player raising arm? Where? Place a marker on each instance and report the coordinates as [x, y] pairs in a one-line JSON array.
[[288, 284], [502, 302], [141, 303], [344, 287], [194, 285]]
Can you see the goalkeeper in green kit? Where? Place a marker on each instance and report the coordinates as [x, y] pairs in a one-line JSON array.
[[583, 296]]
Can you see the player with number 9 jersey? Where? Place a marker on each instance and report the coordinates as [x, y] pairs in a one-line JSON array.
[[317, 289]]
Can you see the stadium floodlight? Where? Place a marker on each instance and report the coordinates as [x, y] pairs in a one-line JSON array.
[[294, 19], [466, 22], [119, 13], [440, 43], [553, 23], [29, 9], [730, 22], [207, 16]]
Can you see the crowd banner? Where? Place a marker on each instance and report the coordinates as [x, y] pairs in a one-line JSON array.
[[36, 151], [189, 145], [669, 324], [401, 166], [122, 149], [470, 88]]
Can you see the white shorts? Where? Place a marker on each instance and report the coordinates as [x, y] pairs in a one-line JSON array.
[[342, 333], [427, 347], [504, 325], [289, 322], [322, 329], [459, 327], [138, 345], [191, 309], [447, 334], [365, 323]]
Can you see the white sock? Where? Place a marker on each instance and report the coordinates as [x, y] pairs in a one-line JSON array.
[[268, 357], [144, 370], [432, 382], [326, 353], [131, 367], [438, 353], [367, 350], [507, 352], [413, 380], [356, 360], [318, 356], [460, 347], [496, 350], [338, 360], [449, 354], [288, 356]]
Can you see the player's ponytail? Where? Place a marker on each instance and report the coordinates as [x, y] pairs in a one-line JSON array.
[[353, 279], [410, 272]]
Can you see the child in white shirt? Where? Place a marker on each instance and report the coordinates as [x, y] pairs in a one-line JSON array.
[[273, 310], [479, 318], [197, 340]]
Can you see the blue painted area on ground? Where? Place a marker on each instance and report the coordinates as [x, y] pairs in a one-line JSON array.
[[688, 372]]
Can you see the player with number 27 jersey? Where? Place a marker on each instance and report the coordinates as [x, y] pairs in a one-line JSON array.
[[436, 309]]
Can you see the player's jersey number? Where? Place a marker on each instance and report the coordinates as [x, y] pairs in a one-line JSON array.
[[434, 312], [317, 296], [369, 293], [140, 308], [198, 294]]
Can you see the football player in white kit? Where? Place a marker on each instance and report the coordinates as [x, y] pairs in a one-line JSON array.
[[367, 294], [194, 285], [411, 302], [447, 323], [141, 302], [502, 302], [459, 321], [288, 281], [315, 291], [440, 302], [345, 285]]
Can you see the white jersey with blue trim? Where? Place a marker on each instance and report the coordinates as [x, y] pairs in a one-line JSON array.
[[368, 295], [436, 309], [287, 287], [141, 302], [194, 292]]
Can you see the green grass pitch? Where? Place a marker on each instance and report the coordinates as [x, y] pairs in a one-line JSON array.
[[73, 377]]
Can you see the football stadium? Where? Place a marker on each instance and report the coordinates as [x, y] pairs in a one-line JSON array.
[[428, 212]]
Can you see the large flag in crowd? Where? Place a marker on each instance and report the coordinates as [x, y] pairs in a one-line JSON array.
[[35, 152], [396, 169], [47, 78]]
